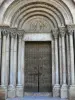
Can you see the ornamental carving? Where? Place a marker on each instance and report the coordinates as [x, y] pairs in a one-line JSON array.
[[38, 25], [20, 33], [71, 29], [13, 32], [63, 31], [55, 33], [5, 31]]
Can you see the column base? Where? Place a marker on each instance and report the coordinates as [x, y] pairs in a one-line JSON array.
[[72, 92], [64, 91], [3, 93], [11, 92], [19, 91], [56, 90]]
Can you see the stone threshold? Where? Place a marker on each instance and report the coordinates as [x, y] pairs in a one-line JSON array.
[[38, 94]]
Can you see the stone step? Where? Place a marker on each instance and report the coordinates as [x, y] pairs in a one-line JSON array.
[[37, 98]]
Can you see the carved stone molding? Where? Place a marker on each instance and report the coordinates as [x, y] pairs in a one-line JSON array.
[[55, 33]]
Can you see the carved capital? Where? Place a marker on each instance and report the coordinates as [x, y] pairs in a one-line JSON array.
[[55, 33], [20, 33], [71, 29], [63, 31], [13, 32], [5, 32]]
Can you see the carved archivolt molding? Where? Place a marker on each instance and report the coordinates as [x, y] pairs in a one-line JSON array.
[[21, 10]]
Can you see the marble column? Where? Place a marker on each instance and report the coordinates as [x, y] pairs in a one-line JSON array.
[[20, 83], [68, 60], [53, 69], [13, 65], [56, 88], [7, 61], [3, 71], [72, 85], [7, 58], [15, 59], [60, 59], [64, 88]]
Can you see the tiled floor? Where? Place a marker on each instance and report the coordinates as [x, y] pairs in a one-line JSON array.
[[37, 98]]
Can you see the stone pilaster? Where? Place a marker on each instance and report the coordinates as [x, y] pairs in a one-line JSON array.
[[13, 65], [64, 88], [56, 88], [20, 84], [72, 85]]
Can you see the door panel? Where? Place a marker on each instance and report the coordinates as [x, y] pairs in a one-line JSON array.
[[31, 80], [38, 67]]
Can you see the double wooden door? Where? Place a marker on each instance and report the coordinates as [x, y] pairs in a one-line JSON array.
[[38, 67]]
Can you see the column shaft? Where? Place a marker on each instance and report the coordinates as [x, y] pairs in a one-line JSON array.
[[72, 59], [60, 59], [53, 65], [3, 75], [7, 58], [56, 61], [63, 60], [20, 85], [19, 62], [12, 62], [68, 58], [15, 60], [56, 88]]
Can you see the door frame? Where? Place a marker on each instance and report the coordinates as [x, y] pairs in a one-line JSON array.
[[46, 37]]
